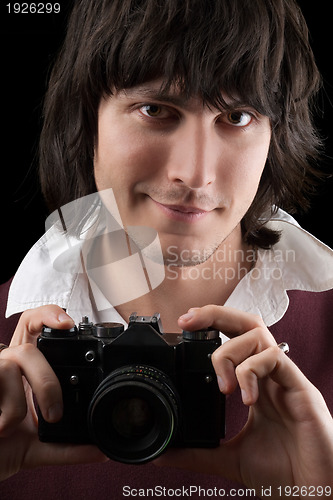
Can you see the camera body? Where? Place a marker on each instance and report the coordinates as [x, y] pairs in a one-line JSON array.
[[133, 392]]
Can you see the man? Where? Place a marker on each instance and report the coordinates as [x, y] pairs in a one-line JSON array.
[[196, 116]]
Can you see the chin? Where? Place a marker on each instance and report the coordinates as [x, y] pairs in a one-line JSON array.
[[178, 254]]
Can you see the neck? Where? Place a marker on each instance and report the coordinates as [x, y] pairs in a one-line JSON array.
[[210, 282]]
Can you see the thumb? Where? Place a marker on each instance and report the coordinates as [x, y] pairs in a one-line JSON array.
[[31, 323]]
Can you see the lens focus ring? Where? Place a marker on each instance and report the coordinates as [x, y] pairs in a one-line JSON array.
[[133, 414]]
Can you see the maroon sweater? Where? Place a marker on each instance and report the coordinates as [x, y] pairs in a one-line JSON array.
[[307, 327]]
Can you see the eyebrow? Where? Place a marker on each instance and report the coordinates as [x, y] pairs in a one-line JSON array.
[[158, 95], [180, 100]]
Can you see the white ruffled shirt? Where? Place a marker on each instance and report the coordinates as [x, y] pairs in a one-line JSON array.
[[298, 261]]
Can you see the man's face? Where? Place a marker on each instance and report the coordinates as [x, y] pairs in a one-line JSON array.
[[188, 171]]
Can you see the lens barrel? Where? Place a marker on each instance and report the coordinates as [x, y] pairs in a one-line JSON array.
[[133, 415]]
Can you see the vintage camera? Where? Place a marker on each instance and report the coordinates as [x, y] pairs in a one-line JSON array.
[[134, 392]]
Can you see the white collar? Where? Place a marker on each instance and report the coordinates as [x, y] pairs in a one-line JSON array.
[[297, 262]]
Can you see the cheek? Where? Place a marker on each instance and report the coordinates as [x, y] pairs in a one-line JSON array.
[[245, 168], [127, 158]]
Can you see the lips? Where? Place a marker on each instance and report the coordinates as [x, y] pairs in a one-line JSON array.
[[182, 213], [185, 209]]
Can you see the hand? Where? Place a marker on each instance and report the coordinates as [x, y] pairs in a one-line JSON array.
[[23, 372], [288, 438]]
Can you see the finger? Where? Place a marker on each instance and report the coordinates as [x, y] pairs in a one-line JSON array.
[[42, 454], [13, 406], [40, 376], [273, 363], [228, 320], [233, 352], [60, 454], [32, 321]]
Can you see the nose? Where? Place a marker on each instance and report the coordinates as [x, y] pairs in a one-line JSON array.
[[194, 157]]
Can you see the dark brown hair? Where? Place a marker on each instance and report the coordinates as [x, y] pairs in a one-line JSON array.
[[255, 49]]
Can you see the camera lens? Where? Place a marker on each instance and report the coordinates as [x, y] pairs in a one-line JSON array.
[[133, 414], [132, 417]]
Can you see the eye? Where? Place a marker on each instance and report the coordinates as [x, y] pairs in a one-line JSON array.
[[238, 118], [154, 111], [156, 114]]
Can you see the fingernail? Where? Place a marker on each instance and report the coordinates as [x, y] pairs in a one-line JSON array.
[[64, 317], [55, 412], [186, 317], [221, 383], [189, 315], [245, 397]]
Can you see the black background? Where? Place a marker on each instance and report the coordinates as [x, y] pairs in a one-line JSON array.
[[29, 43]]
